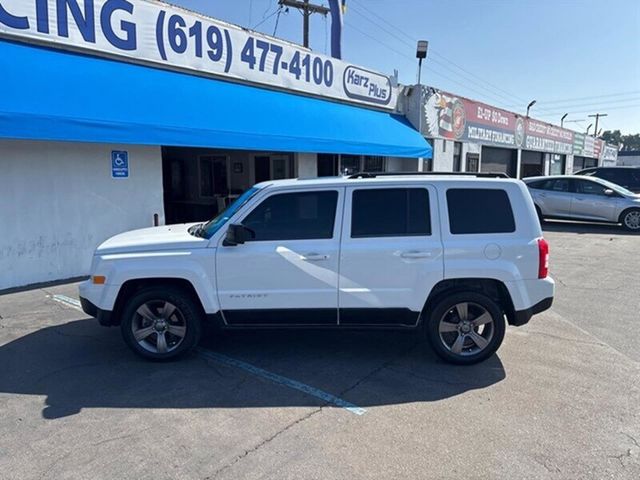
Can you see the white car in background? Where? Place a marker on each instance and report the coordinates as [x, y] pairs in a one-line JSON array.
[[591, 199]]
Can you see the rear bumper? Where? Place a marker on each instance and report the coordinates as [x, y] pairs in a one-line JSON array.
[[521, 317], [104, 317]]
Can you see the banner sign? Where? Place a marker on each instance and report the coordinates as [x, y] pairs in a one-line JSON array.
[[609, 154], [448, 116], [153, 32]]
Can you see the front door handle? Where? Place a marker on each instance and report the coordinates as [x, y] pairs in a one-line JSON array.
[[314, 257], [415, 254]]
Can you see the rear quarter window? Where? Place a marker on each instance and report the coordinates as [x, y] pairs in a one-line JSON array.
[[479, 211]]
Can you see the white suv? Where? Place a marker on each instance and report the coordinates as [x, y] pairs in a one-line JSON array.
[[452, 255]]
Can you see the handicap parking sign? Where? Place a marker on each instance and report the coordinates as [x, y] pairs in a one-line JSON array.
[[119, 164]]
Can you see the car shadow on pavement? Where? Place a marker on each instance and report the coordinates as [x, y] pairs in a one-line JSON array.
[[80, 365], [584, 228]]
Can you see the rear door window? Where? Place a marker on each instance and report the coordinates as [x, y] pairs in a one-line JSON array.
[[559, 185], [479, 210], [390, 212]]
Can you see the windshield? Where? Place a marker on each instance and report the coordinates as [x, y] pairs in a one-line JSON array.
[[615, 187], [214, 225]]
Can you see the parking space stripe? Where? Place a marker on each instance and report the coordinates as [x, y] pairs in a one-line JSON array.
[[68, 301], [247, 367], [279, 379]]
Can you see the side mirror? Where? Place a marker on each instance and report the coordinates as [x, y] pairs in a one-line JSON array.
[[608, 192], [237, 235]]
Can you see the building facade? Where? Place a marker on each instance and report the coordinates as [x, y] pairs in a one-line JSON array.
[[473, 136], [629, 158]]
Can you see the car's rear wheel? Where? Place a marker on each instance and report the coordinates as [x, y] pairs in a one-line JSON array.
[[466, 328], [161, 323], [630, 219]]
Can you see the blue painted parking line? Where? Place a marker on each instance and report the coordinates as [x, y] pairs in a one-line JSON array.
[[247, 367], [279, 379]]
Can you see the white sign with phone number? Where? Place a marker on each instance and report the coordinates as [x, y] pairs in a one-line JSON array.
[[162, 34]]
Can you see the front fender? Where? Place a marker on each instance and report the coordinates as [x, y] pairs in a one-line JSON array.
[[195, 266]]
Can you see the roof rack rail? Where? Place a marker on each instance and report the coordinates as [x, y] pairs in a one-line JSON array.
[[428, 174]]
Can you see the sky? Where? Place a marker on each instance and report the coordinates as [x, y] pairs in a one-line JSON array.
[[579, 57]]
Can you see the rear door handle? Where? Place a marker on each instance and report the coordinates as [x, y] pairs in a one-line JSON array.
[[415, 254], [314, 257]]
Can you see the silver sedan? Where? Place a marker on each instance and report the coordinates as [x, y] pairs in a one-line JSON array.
[[584, 198]]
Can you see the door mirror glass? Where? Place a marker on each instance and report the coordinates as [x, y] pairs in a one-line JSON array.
[[237, 235]]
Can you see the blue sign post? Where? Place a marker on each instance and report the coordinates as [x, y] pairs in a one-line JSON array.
[[119, 164]]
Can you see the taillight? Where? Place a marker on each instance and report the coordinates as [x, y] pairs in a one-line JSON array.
[[543, 258]]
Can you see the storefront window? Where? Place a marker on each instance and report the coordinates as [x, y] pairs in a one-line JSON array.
[[373, 164], [349, 164], [457, 156], [327, 165], [558, 163], [473, 162], [213, 175]]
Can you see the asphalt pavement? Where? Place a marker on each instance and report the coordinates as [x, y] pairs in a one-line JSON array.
[[560, 400]]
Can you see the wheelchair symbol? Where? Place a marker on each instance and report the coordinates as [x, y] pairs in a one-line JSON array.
[[119, 161]]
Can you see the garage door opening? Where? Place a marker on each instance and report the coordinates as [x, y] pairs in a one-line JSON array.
[[502, 160], [532, 164]]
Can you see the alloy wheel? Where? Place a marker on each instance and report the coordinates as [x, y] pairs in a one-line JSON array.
[[632, 220], [158, 326], [466, 329]]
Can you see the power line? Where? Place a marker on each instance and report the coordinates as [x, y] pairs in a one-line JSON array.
[[494, 97], [560, 112], [404, 54], [568, 108], [557, 104], [275, 29], [411, 42], [502, 98], [264, 19], [571, 100]]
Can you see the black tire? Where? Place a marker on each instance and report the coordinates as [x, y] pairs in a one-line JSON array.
[[187, 315], [625, 221], [442, 342]]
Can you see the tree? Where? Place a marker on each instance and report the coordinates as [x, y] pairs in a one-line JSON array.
[[628, 142], [612, 136], [631, 142]]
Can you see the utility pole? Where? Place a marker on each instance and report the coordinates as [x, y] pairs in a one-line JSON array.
[[307, 10], [597, 117]]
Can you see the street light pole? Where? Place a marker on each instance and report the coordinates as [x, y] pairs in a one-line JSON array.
[[590, 125], [421, 54], [562, 120], [531, 104]]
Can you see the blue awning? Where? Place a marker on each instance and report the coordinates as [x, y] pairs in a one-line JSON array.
[[55, 95]]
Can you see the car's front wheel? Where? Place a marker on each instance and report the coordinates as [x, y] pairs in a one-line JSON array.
[[630, 219], [466, 328], [161, 323]]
